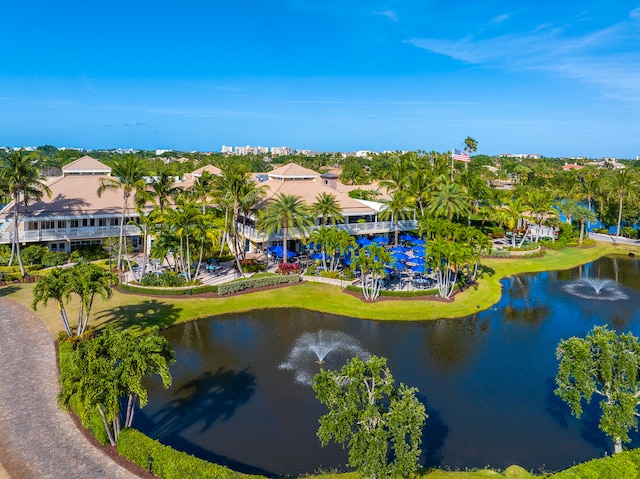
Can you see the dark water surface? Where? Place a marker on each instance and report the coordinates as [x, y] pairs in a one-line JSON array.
[[240, 397]]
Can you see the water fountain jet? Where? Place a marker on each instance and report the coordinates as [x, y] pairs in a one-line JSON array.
[[322, 347]]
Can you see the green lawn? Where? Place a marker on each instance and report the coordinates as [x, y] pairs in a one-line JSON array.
[[128, 310]]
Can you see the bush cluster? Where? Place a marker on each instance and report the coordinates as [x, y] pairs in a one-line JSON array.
[[89, 253], [252, 266], [249, 283], [166, 462], [167, 279], [167, 291]]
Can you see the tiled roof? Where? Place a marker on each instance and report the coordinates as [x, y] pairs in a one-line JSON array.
[[309, 190], [292, 170], [86, 164], [209, 168], [74, 195]]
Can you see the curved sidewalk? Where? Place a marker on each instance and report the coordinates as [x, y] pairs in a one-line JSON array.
[[37, 440]]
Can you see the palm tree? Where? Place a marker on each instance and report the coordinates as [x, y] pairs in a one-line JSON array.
[[372, 261], [516, 210], [238, 192], [476, 187], [620, 183], [86, 280], [401, 168], [53, 286], [110, 368], [449, 201], [127, 175], [470, 145], [162, 189], [328, 207], [400, 206], [21, 180], [283, 212]]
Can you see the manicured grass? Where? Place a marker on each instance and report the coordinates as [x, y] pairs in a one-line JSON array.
[[129, 310]]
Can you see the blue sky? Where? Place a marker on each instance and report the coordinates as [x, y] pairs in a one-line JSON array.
[[555, 78]]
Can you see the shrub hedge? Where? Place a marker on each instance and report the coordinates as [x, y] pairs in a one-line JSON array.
[[168, 291], [398, 294], [249, 283], [168, 463]]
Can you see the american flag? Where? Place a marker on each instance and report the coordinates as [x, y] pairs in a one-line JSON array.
[[460, 155]]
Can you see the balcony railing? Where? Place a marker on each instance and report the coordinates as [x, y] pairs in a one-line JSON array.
[[63, 234], [379, 227]]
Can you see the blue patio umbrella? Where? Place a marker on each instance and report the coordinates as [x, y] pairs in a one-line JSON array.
[[419, 241], [279, 252], [399, 249], [364, 241], [400, 266], [381, 240], [400, 256], [416, 261], [312, 246], [407, 237], [418, 268], [418, 251], [316, 256]]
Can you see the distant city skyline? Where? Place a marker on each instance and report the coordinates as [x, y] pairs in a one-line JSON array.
[[557, 79]]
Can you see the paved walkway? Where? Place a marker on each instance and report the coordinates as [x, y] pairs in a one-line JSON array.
[[37, 440]]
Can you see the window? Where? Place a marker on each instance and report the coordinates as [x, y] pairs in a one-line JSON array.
[[62, 224], [74, 223]]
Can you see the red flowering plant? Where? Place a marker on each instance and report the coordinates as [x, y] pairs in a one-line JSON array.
[[288, 268]]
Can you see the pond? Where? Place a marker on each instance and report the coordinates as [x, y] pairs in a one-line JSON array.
[[241, 394]]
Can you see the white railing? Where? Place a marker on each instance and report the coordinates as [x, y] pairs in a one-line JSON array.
[[63, 234], [378, 227]]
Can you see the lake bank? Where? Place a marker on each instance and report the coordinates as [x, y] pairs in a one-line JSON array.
[[128, 310]]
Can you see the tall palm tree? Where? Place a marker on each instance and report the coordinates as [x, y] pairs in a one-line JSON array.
[[401, 168], [162, 189], [516, 210], [22, 181], [470, 145], [400, 206], [589, 187], [620, 183], [283, 212], [449, 201], [476, 187], [237, 191], [127, 174], [327, 207]]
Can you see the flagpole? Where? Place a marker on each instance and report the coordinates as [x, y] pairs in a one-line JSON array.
[[452, 163]]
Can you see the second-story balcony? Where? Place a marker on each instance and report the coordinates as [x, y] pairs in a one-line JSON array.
[[62, 234], [354, 229]]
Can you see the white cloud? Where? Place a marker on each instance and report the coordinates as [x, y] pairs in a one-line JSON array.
[[390, 14], [500, 19], [134, 123], [607, 57]]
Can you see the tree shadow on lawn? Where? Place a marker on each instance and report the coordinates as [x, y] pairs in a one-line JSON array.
[[142, 315], [8, 290], [484, 270]]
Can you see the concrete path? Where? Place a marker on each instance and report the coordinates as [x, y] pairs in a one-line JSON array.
[[37, 440]]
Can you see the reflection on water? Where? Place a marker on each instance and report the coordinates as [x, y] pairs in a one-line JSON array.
[[487, 380]]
